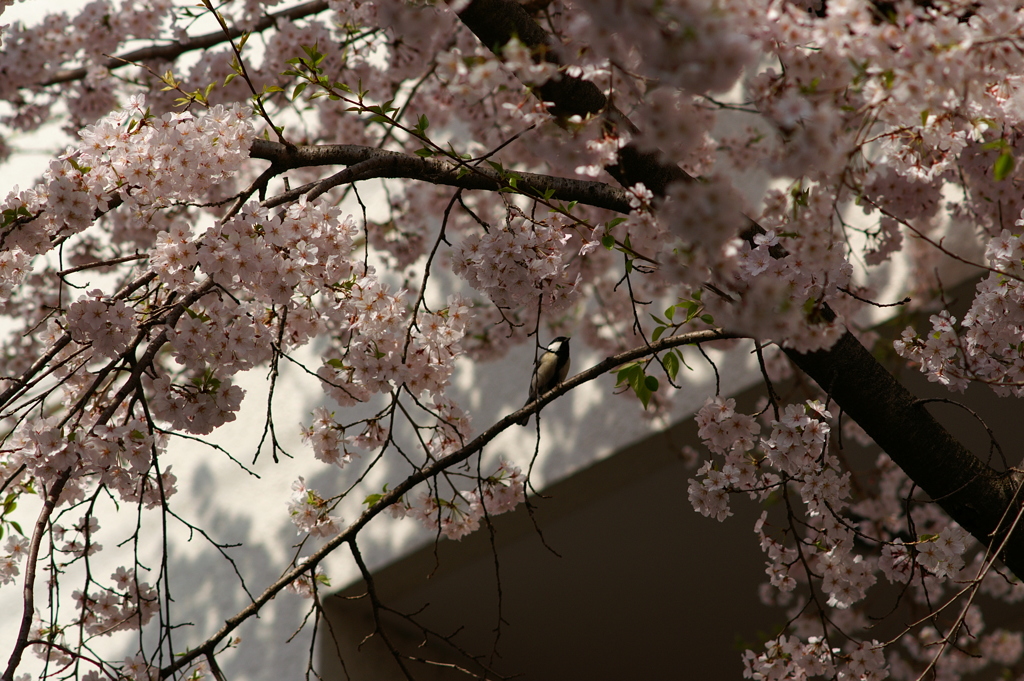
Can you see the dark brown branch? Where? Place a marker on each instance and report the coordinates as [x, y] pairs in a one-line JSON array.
[[971, 492], [102, 263], [369, 162]]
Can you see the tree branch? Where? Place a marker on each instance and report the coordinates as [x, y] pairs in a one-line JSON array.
[[369, 162], [970, 491]]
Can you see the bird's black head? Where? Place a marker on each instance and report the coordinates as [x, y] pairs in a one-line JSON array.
[[559, 345]]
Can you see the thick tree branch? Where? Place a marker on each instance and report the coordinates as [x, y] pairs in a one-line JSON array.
[[369, 162], [974, 494]]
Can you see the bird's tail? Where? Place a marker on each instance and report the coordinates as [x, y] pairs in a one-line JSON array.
[[526, 419]]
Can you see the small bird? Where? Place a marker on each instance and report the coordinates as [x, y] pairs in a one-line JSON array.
[[551, 369]]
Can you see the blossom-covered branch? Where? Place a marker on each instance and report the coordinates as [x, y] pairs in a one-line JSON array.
[[368, 163]]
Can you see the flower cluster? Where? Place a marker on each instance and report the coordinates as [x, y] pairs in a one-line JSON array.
[[310, 512], [461, 514], [475, 76], [787, 657], [145, 162], [129, 605], [10, 562], [988, 346], [687, 45], [783, 295], [328, 440], [306, 584], [518, 262], [107, 325]]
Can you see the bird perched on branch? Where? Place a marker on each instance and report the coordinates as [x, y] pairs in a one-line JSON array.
[[551, 369]]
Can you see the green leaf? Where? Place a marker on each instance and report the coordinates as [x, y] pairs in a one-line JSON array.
[[682, 361], [313, 51], [422, 124], [629, 374], [707, 319], [608, 241], [657, 333], [1003, 166], [372, 499], [671, 362], [643, 385], [79, 167], [423, 152], [298, 90], [644, 394]]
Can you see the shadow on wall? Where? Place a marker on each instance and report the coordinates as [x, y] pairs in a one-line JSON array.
[[612, 575], [206, 590]]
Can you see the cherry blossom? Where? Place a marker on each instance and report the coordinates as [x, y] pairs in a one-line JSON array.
[[380, 188]]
